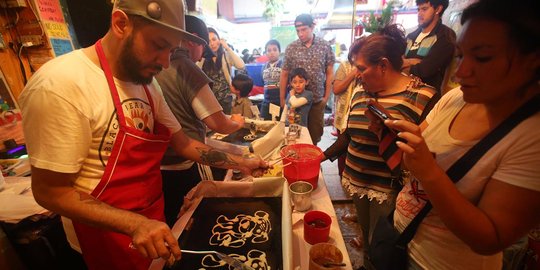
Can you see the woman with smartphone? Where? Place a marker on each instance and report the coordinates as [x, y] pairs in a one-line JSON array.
[[498, 200], [369, 179]]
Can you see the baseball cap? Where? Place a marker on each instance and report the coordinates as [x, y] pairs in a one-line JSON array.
[[198, 27], [303, 19], [168, 13]]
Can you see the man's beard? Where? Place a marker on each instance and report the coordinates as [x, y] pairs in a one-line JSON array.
[[130, 66]]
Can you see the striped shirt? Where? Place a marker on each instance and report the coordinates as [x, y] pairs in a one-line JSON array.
[[365, 169]]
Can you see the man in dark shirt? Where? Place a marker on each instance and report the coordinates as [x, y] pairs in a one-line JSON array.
[[431, 47], [315, 55]]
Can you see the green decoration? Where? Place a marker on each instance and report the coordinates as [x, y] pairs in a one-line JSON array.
[[375, 23]]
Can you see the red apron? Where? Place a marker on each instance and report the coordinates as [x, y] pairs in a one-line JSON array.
[[131, 181]]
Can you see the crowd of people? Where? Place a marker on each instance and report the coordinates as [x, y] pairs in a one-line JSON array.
[[126, 139]]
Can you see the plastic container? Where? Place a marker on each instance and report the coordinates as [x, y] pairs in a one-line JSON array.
[[316, 227], [302, 162], [322, 253]]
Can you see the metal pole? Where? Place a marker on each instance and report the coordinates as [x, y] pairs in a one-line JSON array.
[[353, 23]]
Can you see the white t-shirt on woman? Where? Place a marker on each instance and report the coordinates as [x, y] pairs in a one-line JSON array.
[[514, 160]]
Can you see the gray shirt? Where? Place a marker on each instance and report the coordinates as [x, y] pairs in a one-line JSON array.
[[180, 84]]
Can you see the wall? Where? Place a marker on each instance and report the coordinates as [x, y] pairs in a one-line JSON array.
[[17, 22], [37, 31]]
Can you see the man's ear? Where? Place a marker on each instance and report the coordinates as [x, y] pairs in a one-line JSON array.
[[438, 10], [120, 23]]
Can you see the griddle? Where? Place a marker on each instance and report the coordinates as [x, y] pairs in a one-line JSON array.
[[197, 234], [237, 137]]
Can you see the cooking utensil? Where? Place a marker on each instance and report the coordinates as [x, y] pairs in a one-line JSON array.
[[236, 264], [290, 154], [333, 264], [26, 189]]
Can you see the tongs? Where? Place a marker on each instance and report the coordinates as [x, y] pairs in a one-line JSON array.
[[236, 264], [290, 154]]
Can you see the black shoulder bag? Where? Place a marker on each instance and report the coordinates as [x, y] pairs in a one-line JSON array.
[[388, 249]]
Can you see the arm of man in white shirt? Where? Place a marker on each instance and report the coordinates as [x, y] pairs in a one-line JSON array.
[[207, 109]]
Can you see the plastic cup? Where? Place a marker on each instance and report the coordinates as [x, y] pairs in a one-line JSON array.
[[301, 195], [323, 255], [290, 138], [316, 227]]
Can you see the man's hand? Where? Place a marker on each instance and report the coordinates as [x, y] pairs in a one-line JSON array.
[[255, 166], [324, 100], [154, 239]]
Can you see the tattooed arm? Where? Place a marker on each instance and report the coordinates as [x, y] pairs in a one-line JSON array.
[[202, 153], [55, 192]]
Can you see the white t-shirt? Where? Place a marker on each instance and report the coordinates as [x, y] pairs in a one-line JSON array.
[[514, 160], [205, 103], [418, 40], [69, 118]]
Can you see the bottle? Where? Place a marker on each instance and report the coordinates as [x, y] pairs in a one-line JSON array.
[[291, 116]]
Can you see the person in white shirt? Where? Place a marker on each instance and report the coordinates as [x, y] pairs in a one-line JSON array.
[[96, 127], [498, 200]]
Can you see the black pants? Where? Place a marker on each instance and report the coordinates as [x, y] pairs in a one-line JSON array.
[[176, 185]]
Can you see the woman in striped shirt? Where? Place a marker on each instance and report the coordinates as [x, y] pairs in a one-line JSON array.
[[367, 175]]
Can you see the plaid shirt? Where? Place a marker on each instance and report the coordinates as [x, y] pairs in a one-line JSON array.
[[314, 60]]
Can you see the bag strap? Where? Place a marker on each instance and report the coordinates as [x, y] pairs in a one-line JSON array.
[[467, 161]]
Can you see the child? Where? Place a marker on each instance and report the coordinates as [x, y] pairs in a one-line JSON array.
[[299, 100], [241, 86], [271, 74]]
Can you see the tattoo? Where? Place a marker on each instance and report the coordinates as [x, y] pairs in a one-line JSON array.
[[87, 198], [214, 157]]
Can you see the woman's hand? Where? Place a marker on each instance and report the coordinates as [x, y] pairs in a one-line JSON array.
[[224, 44], [416, 155]]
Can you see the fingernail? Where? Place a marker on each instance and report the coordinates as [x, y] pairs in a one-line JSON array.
[[399, 134], [395, 121]]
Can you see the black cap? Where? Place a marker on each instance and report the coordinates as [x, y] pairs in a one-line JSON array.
[[198, 27], [303, 19]]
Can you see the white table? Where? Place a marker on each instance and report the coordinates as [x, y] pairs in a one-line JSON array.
[[321, 202], [300, 248]]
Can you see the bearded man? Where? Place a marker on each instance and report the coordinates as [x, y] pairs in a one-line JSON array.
[[96, 126]]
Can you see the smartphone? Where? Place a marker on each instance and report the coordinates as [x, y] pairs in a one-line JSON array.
[[379, 111]]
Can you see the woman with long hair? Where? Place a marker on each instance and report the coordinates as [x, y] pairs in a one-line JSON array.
[[218, 68], [498, 199]]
